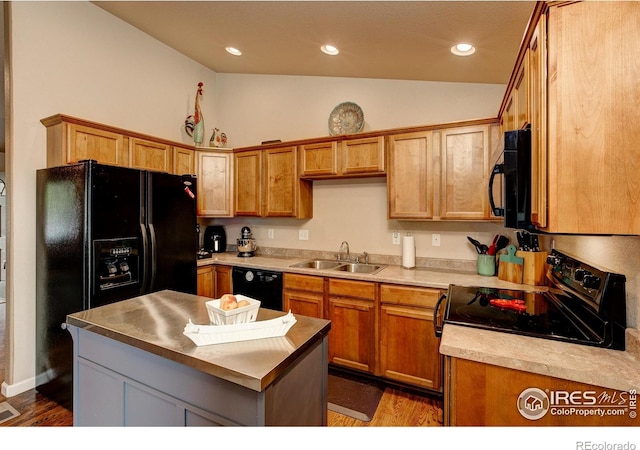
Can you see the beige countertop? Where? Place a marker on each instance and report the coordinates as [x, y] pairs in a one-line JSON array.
[[424, 277], [601, 367], [155, 323], [612, 369]]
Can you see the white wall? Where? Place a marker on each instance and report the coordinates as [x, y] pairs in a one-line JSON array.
[[254, 108], [76, 59]]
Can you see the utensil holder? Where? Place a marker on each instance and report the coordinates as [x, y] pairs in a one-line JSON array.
[[487, 265], [535, 267]]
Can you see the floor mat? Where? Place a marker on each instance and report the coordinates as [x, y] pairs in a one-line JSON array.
[[354, 397], [7, 412]]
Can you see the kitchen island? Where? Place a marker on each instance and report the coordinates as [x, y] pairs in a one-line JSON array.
[[133, 366]]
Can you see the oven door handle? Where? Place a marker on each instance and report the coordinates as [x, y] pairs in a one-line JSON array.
[[436, 325]]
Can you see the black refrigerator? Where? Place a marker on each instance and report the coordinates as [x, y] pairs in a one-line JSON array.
[[105, 234]]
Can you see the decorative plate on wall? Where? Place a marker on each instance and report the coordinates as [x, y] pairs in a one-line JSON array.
[[346, 118]]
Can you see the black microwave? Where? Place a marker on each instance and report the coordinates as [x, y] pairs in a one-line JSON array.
[[516, 170]]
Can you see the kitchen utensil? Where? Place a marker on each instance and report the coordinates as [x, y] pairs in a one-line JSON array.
[[492, 247], [534, 271], [511, 266], [502, 242], [480, 248]]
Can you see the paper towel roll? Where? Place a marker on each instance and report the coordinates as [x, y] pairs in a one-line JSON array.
[[408, 252]]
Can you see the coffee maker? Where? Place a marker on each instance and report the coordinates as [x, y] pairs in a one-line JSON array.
[[246, 244], [215, 239]]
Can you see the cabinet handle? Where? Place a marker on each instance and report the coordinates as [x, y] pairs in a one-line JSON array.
[[438, 326], [497, 169]]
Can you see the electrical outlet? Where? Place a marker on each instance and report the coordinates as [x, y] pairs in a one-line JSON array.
[[303, 235], [435, 240], [396, 238], [271, 233]]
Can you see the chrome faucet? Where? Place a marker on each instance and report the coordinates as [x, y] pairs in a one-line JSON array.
[[364, 258], [341, 251]]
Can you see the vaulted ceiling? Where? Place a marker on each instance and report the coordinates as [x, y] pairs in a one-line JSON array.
[[401, 40]]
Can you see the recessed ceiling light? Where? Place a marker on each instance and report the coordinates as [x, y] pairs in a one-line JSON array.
[[234, 51], [463, 49], [329, 50]]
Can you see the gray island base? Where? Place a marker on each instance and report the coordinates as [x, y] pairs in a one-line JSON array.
[[134, 367]]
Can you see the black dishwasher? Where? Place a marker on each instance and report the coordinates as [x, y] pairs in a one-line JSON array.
[[263, 285]]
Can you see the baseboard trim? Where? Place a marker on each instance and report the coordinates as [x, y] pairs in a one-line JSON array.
[[11, 390]]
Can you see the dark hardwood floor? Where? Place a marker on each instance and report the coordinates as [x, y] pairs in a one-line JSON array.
[[34, 408], [397, 407]]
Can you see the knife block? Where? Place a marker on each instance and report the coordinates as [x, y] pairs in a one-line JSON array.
[[535, 267]]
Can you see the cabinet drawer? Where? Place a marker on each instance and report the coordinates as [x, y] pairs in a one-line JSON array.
[[356, 289], [411, 296], [303, 282]]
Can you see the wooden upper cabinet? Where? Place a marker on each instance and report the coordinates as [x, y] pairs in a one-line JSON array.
[[149, 155], [409, 176], [69, 143], [464, 173], [441, 174], [280, 182], [319, 159], [580, 103], [267, 184], [345, 158], [247, 167], [70, 140], [538, 107], [215, 183], [592, 144], [184, 161], [363, 156]]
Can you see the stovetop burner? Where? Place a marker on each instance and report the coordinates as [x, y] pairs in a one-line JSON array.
[[582, 305], [529, 313]]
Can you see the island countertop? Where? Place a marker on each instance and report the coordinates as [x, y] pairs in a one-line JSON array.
[[155, 323]]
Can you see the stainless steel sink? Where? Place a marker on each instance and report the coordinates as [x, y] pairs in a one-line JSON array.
[[320, 264], [361, 268]]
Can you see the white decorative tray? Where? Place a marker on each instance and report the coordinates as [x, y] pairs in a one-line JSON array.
[[220, 334]]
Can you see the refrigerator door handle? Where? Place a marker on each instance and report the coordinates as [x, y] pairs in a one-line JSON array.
[[145, 263], [152, 257]]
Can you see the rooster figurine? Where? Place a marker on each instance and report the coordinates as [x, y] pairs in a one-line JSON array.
[[194, 125]]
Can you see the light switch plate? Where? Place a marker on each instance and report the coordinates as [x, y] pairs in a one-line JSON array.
[[435, 240], [303, 235], [271, 233]]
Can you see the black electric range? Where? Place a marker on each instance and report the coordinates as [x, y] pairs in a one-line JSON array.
[[582, 304]]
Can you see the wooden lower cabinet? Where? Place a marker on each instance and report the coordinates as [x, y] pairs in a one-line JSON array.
[[206, 283], [223, 281], [409, 349], [304, 295], [214, 281], [352, 311], [479, 394]]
